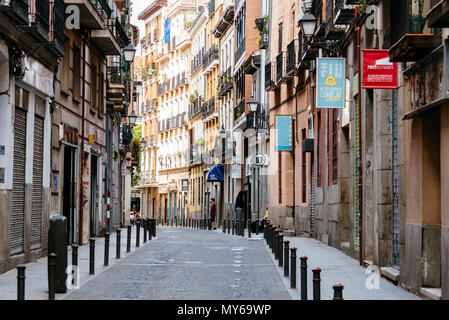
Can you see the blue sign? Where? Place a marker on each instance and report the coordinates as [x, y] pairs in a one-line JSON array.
[[216, 174], [330, 83], [167, 30], [284, 133]]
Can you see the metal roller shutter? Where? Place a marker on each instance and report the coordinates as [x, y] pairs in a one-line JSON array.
[[395, 174], [18, 190], [36, 210]]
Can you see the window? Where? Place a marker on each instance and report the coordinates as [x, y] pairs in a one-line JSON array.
[[65, 67], [93, 88], [76, 72], [101, 94], [280, 38]]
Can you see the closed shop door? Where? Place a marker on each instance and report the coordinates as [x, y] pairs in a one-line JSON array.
[[18, 188], [36, 210]]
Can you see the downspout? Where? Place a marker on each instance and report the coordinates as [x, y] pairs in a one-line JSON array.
[[80, 235], [360, 178]]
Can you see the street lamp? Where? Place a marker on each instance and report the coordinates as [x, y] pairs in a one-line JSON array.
[[143, 143], [128, 52], [308, 24], [253, 105], [132, 118]]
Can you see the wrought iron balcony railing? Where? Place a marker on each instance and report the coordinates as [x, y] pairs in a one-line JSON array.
[[210, 56], [269, 75], [240, 50], [114, 74], [239, 109], [226, 82], [291, 58], [17, 10]]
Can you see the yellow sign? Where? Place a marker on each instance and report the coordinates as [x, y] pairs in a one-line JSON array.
[[91, 139]]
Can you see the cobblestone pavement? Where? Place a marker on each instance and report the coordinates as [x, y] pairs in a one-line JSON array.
[[190, 264]]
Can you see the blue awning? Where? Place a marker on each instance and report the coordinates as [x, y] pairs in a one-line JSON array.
[[216, 174]]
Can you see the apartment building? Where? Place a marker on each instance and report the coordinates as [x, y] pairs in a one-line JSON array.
[[224, 31], [154, 16]]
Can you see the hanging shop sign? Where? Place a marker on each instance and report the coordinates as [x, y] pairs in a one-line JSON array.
[[331, 83], [378, 71], [185, 184], [284, 133]]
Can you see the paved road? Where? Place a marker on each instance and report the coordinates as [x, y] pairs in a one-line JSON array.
[[190, 264]]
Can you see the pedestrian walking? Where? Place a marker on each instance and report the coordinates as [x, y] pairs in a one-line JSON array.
[[212, 213]]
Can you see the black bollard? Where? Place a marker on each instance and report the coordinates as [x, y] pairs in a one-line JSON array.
[[106, 249], [145, 230], [338, 291], [273, 232], [233, 227], [74, 254], [224, 226], [249, 228], [286, 257], [293, 267], [128, 242], [229, 226], [118, 244], [316, 283], [92, 256], [275, 243], [21, 282], [280, 245], [243, 228], [257, 226], [303, 277], [138, 234], [150, 228], [51, 275]]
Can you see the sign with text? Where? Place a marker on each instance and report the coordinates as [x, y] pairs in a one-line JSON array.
[[331, 83], [378, 71], [284, 133]]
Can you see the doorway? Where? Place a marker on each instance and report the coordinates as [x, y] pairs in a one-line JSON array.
[[94, 196], [69, 192]]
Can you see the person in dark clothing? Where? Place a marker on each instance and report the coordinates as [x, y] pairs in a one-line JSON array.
[[213, 213]]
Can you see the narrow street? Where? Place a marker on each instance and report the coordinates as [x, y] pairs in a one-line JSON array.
[[190, 264]]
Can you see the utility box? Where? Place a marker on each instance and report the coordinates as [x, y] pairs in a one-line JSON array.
[[57, 243]]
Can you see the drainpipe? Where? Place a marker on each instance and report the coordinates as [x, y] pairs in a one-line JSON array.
[[360, 142], [81, 211]]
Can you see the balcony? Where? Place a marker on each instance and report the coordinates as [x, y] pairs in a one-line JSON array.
[[116, 87], [332, 31], [269, 76], [226, 83], [317, 10], [208, 108], [438, 15], [240, 50], [195, 108], [195, 154], [18, 11], [281, 65], [290, 66], [343, 14], [210, 59], [197, 61], [239, 109], [92, 12], [225, 19]]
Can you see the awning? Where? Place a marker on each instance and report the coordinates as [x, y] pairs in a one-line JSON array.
[[216, 174]]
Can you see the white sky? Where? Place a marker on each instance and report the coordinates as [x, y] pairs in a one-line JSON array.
[[138, 6]]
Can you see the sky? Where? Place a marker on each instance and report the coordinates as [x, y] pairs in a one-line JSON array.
[[138, 6]]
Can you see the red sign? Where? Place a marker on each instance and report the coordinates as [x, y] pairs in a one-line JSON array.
[[378, 71]]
